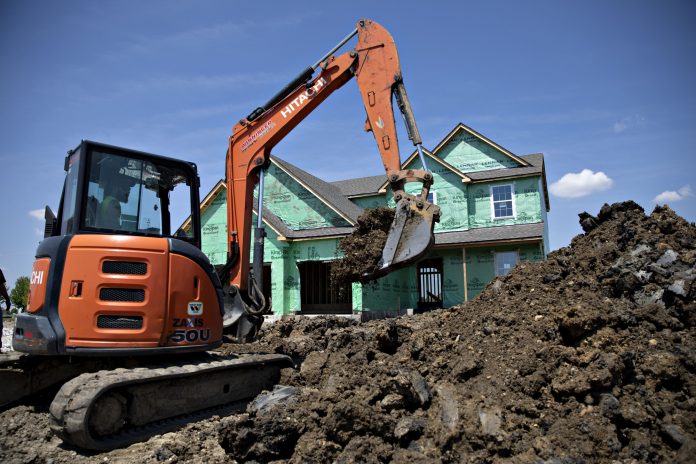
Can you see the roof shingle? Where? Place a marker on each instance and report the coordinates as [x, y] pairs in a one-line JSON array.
[[360, 186]]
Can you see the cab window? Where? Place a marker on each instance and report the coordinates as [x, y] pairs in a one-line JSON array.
[[69, 195], [130, 195]]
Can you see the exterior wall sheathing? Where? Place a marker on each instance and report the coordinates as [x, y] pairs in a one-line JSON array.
[[464, 206]]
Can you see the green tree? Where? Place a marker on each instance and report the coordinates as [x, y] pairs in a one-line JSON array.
[[20, 293]]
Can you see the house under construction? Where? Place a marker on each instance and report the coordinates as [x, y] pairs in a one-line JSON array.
[[494, 207]]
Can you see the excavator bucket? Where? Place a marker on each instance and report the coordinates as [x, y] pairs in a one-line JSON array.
[[410, 236]]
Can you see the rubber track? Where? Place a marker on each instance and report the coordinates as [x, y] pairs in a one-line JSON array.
[[73, 403]]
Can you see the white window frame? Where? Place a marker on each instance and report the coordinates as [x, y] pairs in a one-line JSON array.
[[496, 255], [434, 194], [512, 196]]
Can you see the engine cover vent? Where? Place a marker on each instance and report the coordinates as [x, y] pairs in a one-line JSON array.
[[122, 294], [120, 322], [124, 267]]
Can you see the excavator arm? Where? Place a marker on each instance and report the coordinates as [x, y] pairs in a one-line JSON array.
[[374, 63]]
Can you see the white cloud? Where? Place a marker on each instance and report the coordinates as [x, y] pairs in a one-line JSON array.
[[37, 214], [576, 185], [627, 123], [670, 196]]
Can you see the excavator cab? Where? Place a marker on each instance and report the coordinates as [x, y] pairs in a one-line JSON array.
[[115, 273], [126, 194]]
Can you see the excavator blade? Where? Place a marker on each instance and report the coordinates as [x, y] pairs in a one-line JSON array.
[[410, 236]]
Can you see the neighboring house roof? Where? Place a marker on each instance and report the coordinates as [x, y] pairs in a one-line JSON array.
[[492, 234], [328, 193]]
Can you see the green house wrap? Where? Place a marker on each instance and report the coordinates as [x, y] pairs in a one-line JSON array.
[[493, 203]]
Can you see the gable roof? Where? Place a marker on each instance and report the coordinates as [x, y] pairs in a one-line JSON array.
[[221, 189], [407, 161], [206, 202], [529, 165], [326, 192], [336, 194], [461, 127]]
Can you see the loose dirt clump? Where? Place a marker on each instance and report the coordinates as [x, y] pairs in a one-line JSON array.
[[589, 356], [362, 249]]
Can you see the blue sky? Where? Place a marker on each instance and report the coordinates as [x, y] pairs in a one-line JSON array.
[[605, 89]]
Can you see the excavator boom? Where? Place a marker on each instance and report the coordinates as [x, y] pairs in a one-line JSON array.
[[374, 63]]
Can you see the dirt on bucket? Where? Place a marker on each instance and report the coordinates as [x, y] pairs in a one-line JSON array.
[[362, 249]]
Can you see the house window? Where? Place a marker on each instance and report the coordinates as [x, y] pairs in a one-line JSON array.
[[432, 198], [504, 262], [502, 202]]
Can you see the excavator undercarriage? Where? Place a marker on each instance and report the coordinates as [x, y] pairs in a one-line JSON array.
[[107, 404], [112, 409]]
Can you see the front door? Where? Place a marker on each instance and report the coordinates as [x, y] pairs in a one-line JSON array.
[[429, 284], [317, 295]]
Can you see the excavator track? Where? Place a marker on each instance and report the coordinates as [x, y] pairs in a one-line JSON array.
[[111, 409]]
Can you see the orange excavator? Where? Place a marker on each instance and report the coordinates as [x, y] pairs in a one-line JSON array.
[[124, 308]]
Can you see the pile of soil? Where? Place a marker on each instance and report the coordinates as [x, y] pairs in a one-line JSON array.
[[362, 249], [589, 356]]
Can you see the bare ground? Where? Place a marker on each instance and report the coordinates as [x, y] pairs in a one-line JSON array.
[[589, 356]]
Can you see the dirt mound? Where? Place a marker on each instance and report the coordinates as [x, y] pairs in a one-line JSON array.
[[586, 357], [589, 356], [362, 249]]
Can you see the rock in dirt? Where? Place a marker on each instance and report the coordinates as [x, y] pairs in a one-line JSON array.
[[266, 401]]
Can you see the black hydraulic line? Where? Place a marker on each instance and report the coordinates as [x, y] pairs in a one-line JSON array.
[[405, 107], [301, 78]]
